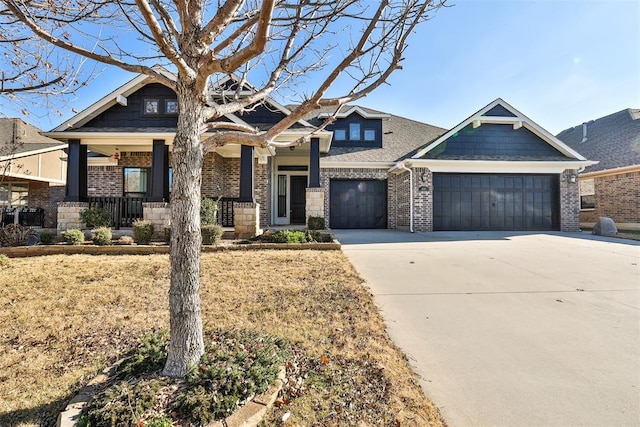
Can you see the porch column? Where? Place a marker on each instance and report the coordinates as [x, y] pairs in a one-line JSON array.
[[160, 171], [76, 189], [246, 174], [314, 164]]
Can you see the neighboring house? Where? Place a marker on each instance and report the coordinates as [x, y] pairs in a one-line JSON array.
[[610, 188], [368, 169], [33, 171]]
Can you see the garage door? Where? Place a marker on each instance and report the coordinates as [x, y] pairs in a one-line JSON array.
[[495, 202], [358, 204]]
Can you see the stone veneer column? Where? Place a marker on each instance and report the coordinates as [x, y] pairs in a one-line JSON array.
[[159, 213], [69, 215], [246, 219], [569, 202], [315, 203]]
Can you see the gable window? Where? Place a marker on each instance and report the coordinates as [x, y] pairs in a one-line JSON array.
[[171, 106], [340, 134], [369, 134], [354, 131], [151, 107], [136, 182], [587, 194]]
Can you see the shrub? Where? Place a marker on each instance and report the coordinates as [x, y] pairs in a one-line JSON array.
[[47, 237], [211, 234], [167, 235], [317, 236], [96, 217], [209, 211], [143, 231], [125, 240], [73, 236], [17, 235], [289, 236], [315, 223], [4, 260], [101, 236]]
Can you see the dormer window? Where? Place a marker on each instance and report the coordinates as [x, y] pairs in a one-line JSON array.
[[151, 107], [340, 134], [354, 131], [369, 134]]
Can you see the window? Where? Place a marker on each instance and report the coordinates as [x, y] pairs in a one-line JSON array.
[[151, 107], [171, 106], [14, 194], [354, 131], [136, 182], [587, 194], [340, 134], [369, 134]]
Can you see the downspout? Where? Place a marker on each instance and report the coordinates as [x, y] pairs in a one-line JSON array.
[[401, 165]]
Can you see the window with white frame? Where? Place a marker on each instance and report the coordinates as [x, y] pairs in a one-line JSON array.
[[369, 134], [354, 131], [587, 194], [14, 194], [340, 134]]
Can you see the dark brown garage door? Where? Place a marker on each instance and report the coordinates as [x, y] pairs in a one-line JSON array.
[[495, 202], [358, 204]]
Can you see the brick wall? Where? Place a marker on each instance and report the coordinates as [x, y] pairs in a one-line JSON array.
[[422, 200], [403, 210], [326, 174], [569, 203], [617, 197], [104, 181], [46, 196]]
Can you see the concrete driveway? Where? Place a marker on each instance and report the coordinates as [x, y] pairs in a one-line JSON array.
[[512, 329]]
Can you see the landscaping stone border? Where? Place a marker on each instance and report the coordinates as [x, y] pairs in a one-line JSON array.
[[40, 250], [249, 415]]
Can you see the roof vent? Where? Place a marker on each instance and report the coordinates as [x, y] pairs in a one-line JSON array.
[[584, 132]]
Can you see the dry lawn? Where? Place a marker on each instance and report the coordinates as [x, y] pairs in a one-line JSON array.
[[66, 317]]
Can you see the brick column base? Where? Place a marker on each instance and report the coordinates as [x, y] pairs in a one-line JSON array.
[[246, 219], [69, 215], [159, 213], [315, 203]]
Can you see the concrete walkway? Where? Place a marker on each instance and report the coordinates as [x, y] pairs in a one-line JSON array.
[[512, 329]]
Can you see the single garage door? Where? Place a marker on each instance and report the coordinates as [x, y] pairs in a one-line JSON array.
[[495, 202], [358, 204]]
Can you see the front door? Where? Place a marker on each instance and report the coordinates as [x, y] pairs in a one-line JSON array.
[[298, 199]]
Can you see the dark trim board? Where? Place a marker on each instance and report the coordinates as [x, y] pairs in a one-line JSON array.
[[358, 203], [495, 202]]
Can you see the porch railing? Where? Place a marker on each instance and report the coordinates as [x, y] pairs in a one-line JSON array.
[[31, 217], [124, 210], [225, 210]]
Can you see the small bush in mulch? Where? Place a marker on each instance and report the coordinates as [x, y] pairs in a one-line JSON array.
[[211, 234], [236, 366], [101, 236], [315, 223], [96, 217], [17, 235], [73, 236], [289, 236], [143, 231], [47, 237]]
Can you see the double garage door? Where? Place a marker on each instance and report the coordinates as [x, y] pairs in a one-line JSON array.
[[495, 202], [358, 203]]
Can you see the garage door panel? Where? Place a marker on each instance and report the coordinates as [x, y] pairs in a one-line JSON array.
[[358, 204], [495, 202]]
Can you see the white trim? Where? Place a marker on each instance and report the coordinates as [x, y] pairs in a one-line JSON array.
[[518, 121], [35, 178], [493, 166], [355, 165], [355, 109], [33, 152], [101, 161]]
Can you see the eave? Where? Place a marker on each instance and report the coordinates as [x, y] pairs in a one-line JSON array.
[[496, 166]]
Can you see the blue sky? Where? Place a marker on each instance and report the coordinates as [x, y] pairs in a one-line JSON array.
[[558, 62]]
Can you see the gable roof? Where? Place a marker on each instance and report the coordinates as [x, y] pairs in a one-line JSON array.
[[20, 139], [119, 96], [613, 140], [501, 112], [399, 136]]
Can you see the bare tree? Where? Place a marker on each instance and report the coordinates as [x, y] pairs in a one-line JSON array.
[[318, 45]]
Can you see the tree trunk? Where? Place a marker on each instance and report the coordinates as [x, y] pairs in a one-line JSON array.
[[186, 341]]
